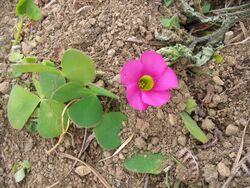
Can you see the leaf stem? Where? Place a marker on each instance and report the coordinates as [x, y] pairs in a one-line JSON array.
[[19, 30]]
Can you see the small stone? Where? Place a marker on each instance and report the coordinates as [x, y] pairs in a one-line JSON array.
[[227, 145], [100, 83], [116, 78], [26, 48], [218, 81], [223, 170], [38, 39], [182, 140], [141, 125], [92, 21], [228, 36], [28, 146], [231, 60], [232, 130], [61, 149], [82, 170], [4, 87], [208, 124], [210, 173], [120, 43], [121, 156], [140, 143], [232, 155], [111, 53], [160, 114], [100, 73], [155, 140]]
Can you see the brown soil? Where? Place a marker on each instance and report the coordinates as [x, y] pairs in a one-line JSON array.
[[104, 30]]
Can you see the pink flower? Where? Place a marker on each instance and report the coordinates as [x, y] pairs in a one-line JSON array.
[[148, 81]]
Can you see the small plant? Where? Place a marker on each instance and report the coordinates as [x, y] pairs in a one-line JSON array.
[[148, 81], [62, 96], [26, 8], [171, 23], [20, 170]]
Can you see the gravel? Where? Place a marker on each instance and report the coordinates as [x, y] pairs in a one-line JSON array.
[[231, 130]]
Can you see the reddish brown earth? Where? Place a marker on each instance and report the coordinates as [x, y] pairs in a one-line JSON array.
[[111, 32]]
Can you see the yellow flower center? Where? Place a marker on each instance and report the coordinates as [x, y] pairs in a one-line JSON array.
[[146, 83]]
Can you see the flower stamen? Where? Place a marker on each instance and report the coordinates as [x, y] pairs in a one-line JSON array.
[[146, 83]]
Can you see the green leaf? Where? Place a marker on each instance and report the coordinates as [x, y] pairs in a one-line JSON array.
[[29, 59], [15, 57], [87, 112], [218, 58], [48, 63], [26, 165], [101, 91], [167, 3], [165, 22], [78, 67], [190, 105], [49, 118], [70, 91], [28, 8], [21, 105], [177, 183], [38, 87], [193, 128], [19, 175], [50, 82], [206, 7], [108, 129], [145, 163], [175, 22], [33, 67]]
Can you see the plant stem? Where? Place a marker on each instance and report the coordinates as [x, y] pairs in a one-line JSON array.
[[247, 5], [19, 30]]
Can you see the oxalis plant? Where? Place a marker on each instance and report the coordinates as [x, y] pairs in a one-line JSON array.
[[62, 97]]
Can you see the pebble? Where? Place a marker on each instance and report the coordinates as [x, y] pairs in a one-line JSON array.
[[155, 140], [182, 140], [92, 21], [28, 146], [223, 170], [160, 114], [120, 43], [26, 48], [232, 130], [227, 145], [4, 87], [218, 81], [208, 124], [111, 53], [210, 173], [140, 143], [82, 170], [228, 36], [141, 125], [100, 83]]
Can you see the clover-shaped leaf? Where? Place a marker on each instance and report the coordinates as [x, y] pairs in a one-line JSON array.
[[49, 118], [28, 8], [87, 112], [70, 91], [145, 163], [21, 105], [78, 67], [50, 82], [108, 129]]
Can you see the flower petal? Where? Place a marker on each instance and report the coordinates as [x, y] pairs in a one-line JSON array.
[[154, 64], [156, 98], [167, 81], [131, 72], [134, 97]]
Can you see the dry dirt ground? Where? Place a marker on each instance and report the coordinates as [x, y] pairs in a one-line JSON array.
[[112, 31]]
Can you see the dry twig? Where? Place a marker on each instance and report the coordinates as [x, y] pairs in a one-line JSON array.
[[97, 174]]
